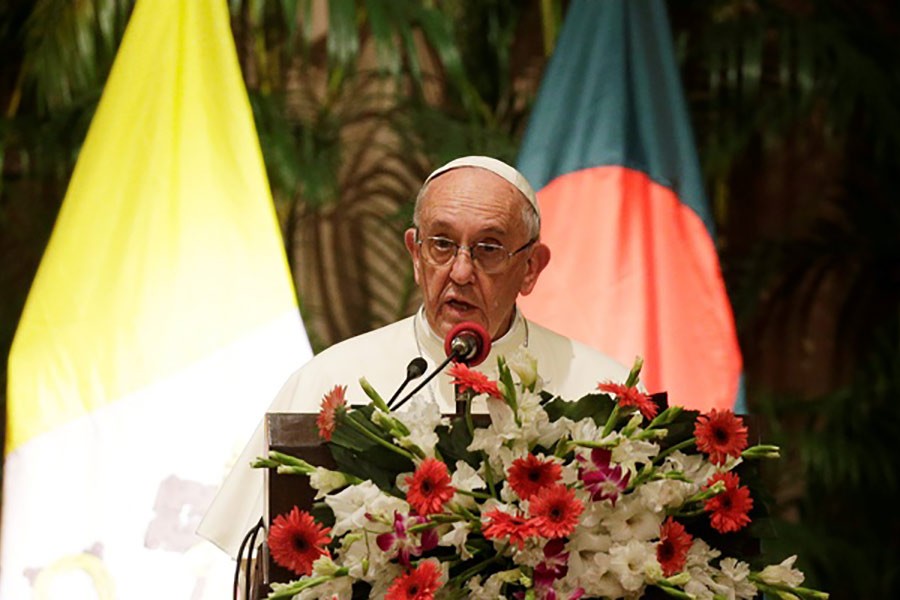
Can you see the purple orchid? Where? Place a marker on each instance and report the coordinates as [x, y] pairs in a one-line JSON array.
[[402, 543], [603, 481]]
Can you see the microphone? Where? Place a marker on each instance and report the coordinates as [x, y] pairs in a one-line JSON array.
[[415, 369], [467, 342]]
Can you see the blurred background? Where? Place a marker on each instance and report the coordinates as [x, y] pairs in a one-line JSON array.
[[795, 106]]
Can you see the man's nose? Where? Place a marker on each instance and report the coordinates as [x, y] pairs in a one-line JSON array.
[[462, 269]]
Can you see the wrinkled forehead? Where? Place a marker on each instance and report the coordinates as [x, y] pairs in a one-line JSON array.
[[498, 167]]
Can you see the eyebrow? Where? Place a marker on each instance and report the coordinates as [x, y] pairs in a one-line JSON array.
[[490, 230]]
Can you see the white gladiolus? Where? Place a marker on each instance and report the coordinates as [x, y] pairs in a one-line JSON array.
[[466, 478], [524, 364], [325, 481], [352, 505], [783, 573], [630, 562], [421, 416], [456, 537], [630, 520]]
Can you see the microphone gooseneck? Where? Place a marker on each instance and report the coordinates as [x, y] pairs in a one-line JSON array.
[[415, 369]]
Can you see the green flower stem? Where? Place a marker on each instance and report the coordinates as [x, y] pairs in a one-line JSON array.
[[643, 476], [673, 591], [652, 434], [289, 470], [478, 495], [376, 398], [774, 589], [475, 569], [700, 498], [422, 527], [467, 514], [489, 475], [420, 454], [680, 445], [611, 421], [292, 589], [689, 513], [762, 451], [436, 520], [593, 444], [378, 439], [470, 426], [562, 448], [635, 372], [293, 461], [665, 417], [508, 388]]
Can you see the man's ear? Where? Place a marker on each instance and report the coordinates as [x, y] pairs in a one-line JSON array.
[[540, 257], [409, 238]]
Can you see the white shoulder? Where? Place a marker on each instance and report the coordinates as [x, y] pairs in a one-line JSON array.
[[569, 367], [374, 355]]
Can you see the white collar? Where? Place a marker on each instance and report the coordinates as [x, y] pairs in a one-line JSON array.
[[431, 345]]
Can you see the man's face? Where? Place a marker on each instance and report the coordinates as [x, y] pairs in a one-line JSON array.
[[471, 205]]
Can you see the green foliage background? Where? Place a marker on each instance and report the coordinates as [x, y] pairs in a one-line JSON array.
[[796, 107]]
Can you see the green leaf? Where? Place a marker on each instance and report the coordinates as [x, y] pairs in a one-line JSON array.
[[376, 463], [438, 31], [453, 442], [349, 437], [507, 386], [595, 406], [379, 17], [343, 38], [679, 429]]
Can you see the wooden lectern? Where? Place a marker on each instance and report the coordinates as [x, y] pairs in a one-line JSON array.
[[295, 434]]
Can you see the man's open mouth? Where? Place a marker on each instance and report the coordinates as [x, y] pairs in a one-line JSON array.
[[460, 305]]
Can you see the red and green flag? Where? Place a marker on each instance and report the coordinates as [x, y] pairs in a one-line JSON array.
[[609, 147]]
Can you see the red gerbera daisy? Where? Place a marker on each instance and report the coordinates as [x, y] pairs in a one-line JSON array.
[[720, 434], [419, 584], [630, 396], [729, 509], [429, 487], [529, 475], [555, 511], [503, 526], [332, 402], [296, 541], [673, 546], [478, 382]]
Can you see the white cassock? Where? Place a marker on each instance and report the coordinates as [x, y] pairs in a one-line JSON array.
[[568, 369]]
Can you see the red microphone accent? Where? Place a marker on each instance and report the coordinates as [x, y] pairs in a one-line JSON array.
[[470, 342]]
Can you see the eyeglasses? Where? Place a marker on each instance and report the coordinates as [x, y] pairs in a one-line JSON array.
[[490, 258]]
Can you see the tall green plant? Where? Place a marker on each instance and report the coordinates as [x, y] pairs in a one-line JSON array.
[[798, 112]]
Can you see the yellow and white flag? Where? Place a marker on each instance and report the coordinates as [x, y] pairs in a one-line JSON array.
[[160, 324]]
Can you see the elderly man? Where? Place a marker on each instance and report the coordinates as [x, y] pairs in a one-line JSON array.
[[475, 248]]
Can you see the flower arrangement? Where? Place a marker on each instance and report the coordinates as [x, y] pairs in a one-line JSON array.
[[609, 496]]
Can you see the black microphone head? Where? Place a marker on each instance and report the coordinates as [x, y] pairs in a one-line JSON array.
[[416, 368], [468, 343]]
